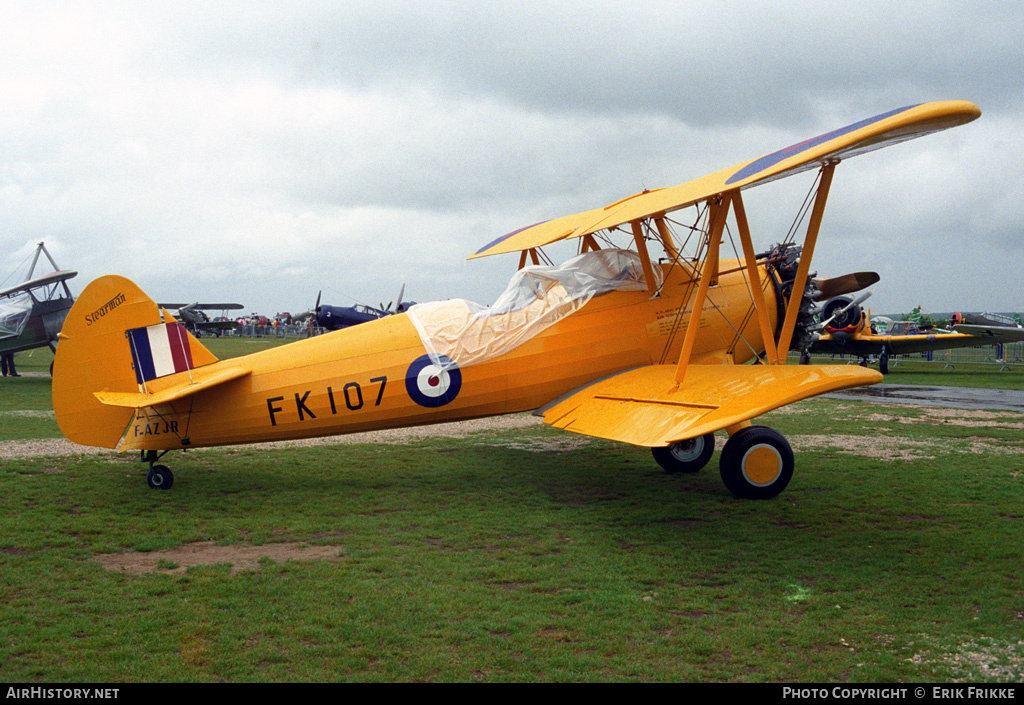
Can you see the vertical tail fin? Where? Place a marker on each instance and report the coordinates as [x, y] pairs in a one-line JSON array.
[[115, 339]]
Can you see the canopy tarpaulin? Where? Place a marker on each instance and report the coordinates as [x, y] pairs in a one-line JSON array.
[[465, 333], [14, 314]]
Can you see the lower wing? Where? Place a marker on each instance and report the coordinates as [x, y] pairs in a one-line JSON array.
[[645, 407]]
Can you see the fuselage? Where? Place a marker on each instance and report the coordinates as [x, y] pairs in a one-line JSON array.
[[371, 376]]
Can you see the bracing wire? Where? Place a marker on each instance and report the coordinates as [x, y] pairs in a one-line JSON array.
[[15, 270]]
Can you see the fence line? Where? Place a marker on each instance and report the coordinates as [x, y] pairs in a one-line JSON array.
[[286, 331], [1012, 356]]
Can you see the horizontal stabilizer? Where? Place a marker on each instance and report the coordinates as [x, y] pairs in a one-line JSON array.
[[644, 406], [132, 400]]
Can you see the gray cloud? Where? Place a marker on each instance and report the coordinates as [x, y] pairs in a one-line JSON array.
[[261, 151]]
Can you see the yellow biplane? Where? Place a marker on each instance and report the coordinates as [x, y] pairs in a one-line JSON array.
[[612, 343]]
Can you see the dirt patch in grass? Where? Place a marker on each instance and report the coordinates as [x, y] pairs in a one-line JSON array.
[[968, 413], [455, 429], [898, 448], [180, 559], [546, 445], [981, 659], [48, 447], [965, 418], [887, 447]]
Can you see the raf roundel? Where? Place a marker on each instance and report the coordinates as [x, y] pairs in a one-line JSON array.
[[430, 384]]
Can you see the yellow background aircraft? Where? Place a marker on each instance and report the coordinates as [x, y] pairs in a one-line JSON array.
[[850, 333], [612, 343]]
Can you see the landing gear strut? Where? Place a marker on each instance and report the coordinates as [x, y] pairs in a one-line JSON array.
[[159, 477]]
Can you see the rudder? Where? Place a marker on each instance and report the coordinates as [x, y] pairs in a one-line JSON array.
[[95, 355]]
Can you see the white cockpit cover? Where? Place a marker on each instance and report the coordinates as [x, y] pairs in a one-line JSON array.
[[14, 314], [537, 297]]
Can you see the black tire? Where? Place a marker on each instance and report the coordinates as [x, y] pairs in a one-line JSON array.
[[883, 363], [686, 456], [160, 477], [756, 463]]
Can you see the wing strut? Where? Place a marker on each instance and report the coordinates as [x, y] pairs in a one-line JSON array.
[[533, 257], [589, 244], [708, 274], [767, 334], [645, 257], [666, 237], [796, 295]]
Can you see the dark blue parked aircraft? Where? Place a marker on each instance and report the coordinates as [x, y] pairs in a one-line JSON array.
[[337, 317]]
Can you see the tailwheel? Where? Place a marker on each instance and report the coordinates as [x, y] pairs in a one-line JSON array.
[[685, 456], [756, 463], [160, 477]]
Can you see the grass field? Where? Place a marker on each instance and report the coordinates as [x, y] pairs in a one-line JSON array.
[[518, 555]]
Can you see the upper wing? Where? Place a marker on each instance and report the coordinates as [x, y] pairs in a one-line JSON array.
[[52, 278], [642, 406], [873, 133], [204, 307]]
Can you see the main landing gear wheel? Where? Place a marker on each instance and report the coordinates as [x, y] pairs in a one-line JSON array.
[[686, 456], [883, 363], [160, 477], [756, 463]]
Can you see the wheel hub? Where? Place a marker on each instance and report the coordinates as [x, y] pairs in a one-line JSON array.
[[688, 450], [762, 465]]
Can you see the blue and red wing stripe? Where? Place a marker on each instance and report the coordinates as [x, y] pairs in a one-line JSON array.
[[506, 236], [769, 160]]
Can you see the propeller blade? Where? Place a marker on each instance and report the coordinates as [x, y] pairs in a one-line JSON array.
[[401, 293], [845, 284], [317, 306], [856, 302]]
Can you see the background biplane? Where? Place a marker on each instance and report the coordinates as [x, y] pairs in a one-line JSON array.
[[611, 343], [197, 321], [849, 332], [32, 313]]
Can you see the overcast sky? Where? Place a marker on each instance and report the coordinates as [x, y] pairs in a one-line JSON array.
[[261, 151]]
